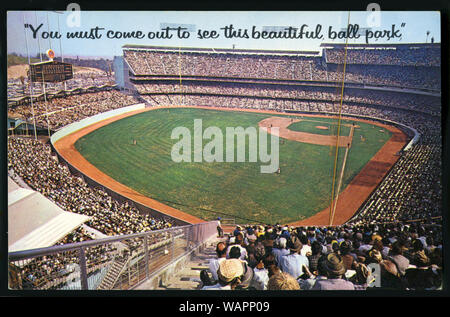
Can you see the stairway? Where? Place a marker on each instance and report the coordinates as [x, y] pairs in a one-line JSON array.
[[113, 273], [189, 277]]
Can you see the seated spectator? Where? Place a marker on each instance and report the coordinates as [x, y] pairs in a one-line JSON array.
[[237, 230], [418, 256], [293, 262], [251, 254], [306, 249], [260, 231], [427, 275], [361, 279], [259, 252], [261, 277], [344, 251], [390, 277], [282, 281], [386, 247], [373, 256], [279, 248], [334, 247], [436, 257], [229, 274], [396, 256], [268, 240], [247, 278], [210, 277], [251, 235], [357, 255], [423, 278], [238, 242], [313, 259], [335, 271], [235, 253], [429, 245], [366, 244], [307, 280]]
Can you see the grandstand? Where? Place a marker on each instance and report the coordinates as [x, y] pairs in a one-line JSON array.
[[396, 82], [164, 76]]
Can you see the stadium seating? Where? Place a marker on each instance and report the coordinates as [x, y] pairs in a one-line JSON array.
[[406, 206]]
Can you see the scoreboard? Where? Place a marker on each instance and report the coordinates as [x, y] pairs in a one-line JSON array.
[[51, 71]]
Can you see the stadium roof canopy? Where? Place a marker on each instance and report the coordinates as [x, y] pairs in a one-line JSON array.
[[218, 50], [36, 222]]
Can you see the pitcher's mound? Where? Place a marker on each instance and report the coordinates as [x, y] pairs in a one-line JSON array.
[[321, 127]]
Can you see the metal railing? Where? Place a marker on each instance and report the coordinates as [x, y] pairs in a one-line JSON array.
[[119, 262]]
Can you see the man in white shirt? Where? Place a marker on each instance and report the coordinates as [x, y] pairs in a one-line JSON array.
[[306, 249], [238, 243]]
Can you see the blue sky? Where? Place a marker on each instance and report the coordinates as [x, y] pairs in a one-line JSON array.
[[416, 24]]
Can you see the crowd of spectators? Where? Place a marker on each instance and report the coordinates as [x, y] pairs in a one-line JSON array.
[[411, 191], [414, 77], [61, 269], [61, 111], [219, 65], [412, 56], [54, 269], [20, 86], [398, 227], [410, 68], [275, 92], [396, 256], [33, 162]]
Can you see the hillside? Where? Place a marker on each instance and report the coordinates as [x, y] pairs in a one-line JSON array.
[[16, 71], [13, 60]]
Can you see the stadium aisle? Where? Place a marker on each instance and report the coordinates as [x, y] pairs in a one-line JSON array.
[[189, 277]]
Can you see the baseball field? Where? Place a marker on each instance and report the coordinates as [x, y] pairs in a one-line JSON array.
[[136, 152]]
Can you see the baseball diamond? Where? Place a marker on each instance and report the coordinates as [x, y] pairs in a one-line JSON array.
[[299, 194]]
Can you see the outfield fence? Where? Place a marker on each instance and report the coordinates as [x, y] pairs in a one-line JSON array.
[[113, 263]]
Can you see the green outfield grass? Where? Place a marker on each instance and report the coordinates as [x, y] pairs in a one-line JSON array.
[[230, 190]]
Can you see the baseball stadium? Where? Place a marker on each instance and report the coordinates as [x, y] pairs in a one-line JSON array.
[[352, 131]]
